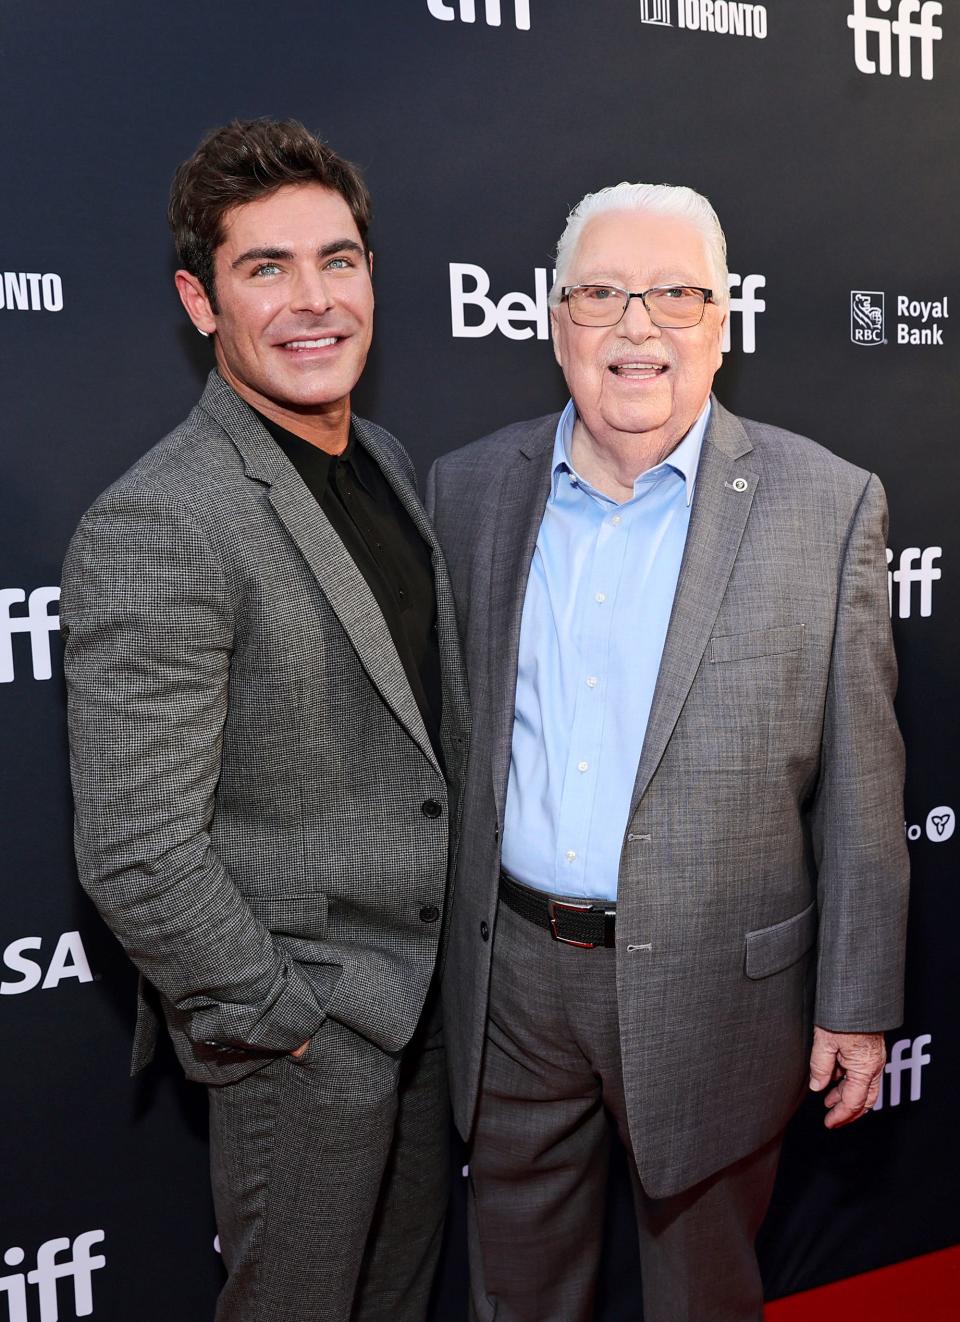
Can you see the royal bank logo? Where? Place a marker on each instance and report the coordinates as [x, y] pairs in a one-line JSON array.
[[867, 316], [913, 27], [36, 621], [724, 16], [33, 1296], [920, 321], [466, 11]]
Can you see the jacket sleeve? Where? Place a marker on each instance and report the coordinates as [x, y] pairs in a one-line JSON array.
[[148, 626], [857, 819]]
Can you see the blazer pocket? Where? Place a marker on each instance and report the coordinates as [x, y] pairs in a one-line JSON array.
[[773, 949], [757, 642], [302, 916]]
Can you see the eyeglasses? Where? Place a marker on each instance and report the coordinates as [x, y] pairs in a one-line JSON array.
[[671, 307]]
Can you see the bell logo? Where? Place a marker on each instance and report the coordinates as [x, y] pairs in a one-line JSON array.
[[914, 23], [69, 960], [468, 12], [519, 316], [906, 1057], [78, 1267], [37, 622]]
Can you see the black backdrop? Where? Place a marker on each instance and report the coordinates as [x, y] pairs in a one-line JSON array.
[[833, 179]]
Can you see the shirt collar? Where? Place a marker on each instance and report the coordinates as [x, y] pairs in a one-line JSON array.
[[684, 459]]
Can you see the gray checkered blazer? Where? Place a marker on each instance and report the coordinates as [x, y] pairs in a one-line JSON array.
[[763, 872], [249, 763]]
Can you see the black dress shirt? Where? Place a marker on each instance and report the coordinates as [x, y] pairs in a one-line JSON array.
[[383, 542]]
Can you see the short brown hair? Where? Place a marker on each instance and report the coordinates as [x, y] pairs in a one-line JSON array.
[[240, 162]]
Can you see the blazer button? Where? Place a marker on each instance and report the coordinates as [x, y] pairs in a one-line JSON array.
[[484, 931], [431, 808], [429, 913]]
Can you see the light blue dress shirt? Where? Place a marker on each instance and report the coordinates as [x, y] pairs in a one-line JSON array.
[[595, 616]]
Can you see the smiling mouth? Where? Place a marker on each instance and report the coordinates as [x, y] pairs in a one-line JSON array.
[[638, 371], [299, 346]]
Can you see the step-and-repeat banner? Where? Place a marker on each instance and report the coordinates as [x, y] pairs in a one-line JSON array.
[[825, 135]]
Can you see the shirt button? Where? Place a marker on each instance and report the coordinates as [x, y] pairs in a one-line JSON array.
[[583, 766], [571, 855], [484, 932], [601, 597], [431, 808], [615, 520], [592, 681], [429, 913]]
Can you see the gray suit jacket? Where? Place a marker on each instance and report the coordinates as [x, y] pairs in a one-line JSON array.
[[763, 874], [249, 762]]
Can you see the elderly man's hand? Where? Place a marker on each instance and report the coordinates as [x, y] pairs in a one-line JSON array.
[[853, 1063]]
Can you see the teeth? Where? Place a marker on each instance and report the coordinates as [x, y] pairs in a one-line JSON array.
[[643, 369], [311, 344]]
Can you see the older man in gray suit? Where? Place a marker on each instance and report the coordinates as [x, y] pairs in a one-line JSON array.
[[267, 705], [681, 891]]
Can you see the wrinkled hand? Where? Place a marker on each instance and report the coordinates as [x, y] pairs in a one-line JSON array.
[[300, 1050], [853, 1063]]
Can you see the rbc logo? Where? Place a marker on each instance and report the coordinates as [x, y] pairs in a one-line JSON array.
[[79, 1267], [468, 12], [866, 316], [37, 622], [914, 23]]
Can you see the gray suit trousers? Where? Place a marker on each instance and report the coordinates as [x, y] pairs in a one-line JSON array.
[[330, 1175], [552, 1081]]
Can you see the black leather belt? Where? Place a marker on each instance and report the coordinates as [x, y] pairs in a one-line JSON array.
[[588, 924]]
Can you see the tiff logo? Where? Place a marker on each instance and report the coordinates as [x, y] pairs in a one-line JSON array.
[[37, 622], [906, 1057], [924, 574], [914, 23], [78, 1267], [655, 11], [468, 12]]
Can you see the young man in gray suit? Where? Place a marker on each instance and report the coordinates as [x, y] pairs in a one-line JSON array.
[[267, 706], [681, 891]]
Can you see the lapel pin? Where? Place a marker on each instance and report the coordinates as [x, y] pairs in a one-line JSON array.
[[738, 484]]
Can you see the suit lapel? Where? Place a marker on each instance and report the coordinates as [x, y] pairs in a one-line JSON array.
[[721, 504], [521, 499], [338, 577]]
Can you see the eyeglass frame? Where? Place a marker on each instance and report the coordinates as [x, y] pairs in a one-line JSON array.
[[642, 295]]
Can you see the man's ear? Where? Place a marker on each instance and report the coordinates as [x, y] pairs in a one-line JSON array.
[[196, 301], [370, 261]]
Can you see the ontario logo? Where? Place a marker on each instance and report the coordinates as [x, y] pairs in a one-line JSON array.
[[867, 316], [725, 16]]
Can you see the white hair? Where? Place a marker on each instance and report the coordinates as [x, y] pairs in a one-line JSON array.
[[660, 200]]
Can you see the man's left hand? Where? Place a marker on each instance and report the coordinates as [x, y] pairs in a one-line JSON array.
[[853, 1063]]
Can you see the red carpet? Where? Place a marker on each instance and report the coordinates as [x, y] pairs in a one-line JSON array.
[[923, 1289]]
